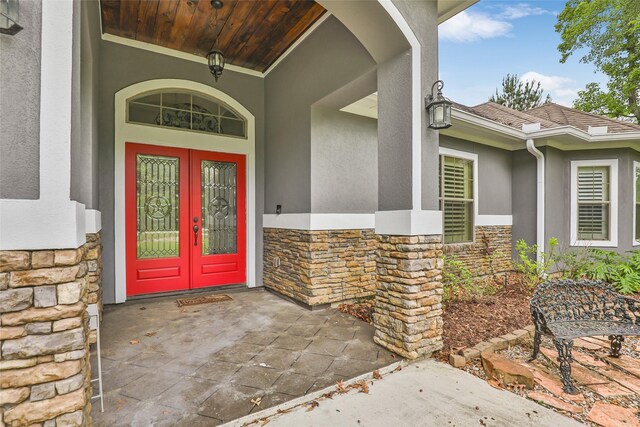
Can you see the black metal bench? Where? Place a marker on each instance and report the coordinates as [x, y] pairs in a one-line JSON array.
[[568, 309]]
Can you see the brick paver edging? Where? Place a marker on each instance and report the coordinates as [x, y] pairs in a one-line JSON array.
[[466, 355]]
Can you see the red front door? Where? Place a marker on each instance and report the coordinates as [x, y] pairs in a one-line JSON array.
[[185, 219]]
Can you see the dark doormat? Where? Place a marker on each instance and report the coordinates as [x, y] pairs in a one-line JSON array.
[[207, 299]]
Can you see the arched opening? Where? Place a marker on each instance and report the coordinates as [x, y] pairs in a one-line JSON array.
[[186, 150]]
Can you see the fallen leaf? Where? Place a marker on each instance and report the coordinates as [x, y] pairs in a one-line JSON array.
[[328, 395], [264, 421], [376, 375], [257, 401], [150, 334], [134, 342], [284, 411], [398, 369], [495, 384], [362, 386], [341, 388], [362, 310], [312, 405]]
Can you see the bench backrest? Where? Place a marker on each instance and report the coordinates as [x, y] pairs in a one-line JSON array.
[[559, 300]]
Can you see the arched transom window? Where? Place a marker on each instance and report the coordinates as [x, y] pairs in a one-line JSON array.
[[186, 110]]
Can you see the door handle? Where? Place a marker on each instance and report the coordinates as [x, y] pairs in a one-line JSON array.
[[195, 231]]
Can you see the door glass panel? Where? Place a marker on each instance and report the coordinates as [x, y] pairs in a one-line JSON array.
[[219, 210], [157, 207]]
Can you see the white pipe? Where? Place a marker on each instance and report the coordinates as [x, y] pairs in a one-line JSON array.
[[531, 147]]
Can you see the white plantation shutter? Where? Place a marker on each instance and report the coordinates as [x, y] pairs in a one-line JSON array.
[[456, 199], [593, 203], [637, 207]]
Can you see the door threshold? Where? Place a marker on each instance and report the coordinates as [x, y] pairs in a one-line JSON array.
[[194, 292]]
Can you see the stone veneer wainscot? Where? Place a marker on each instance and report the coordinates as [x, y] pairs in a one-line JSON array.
[[489, 254], [320, 267], [44, 337]]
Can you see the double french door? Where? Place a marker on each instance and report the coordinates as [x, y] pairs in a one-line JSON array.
[[185, 218]]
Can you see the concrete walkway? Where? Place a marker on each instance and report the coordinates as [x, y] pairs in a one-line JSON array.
[[426, 393]]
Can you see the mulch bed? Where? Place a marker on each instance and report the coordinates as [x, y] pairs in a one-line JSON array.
[[466, 323]]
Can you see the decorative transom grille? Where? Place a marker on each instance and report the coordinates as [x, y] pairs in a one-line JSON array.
[[188, 111]]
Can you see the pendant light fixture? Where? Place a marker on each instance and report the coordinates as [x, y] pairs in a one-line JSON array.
[[215, 57]]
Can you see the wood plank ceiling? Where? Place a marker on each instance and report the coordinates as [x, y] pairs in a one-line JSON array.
[[251, 33]]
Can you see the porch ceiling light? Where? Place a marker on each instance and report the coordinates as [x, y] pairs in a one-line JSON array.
[[215, 57], [216, 63], [9, 17], [438, 107]]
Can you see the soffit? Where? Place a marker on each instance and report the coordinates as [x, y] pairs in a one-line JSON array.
[[251, 34]]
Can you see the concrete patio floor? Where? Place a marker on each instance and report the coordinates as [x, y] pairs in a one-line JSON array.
[[204, 364]]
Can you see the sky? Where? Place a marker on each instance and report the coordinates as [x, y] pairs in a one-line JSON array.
[[493, 38]]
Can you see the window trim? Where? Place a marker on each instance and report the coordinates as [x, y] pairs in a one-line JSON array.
[[613, 203], [473, 157], [636, 166]]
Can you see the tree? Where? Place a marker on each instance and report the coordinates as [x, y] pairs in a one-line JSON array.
[[519, 95], [609, 32]]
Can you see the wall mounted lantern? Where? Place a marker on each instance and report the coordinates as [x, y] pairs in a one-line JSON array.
[[9, 17], [215, 57], [438, 108]]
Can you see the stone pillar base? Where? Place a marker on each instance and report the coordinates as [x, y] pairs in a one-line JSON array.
[[408, 306], [44, 334]]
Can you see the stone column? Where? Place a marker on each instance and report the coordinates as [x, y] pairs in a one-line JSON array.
[[44, 346], [408, 308]]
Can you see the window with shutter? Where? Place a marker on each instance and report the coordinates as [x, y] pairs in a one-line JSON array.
[[637, 199], [593, 203], [456, 199]]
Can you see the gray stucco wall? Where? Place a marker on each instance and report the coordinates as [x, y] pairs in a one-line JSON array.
[[558, 193], [84, 142], [394, 134], [19, 112], [495, 175], [122, 66], [325, 61], [344, 162], [422, 17], [79, 173], [523, 196]]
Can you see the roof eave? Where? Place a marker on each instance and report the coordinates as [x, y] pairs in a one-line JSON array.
[[449, 8], [570, 134], [487, 123]]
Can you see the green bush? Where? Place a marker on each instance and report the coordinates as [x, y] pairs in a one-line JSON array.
[[535, 271], [458, 282], [623, 272]]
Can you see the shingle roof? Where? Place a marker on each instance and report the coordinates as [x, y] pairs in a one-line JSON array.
[[572, 117], [548, 115], [508, 116]]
